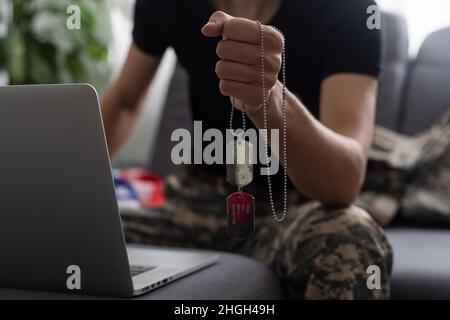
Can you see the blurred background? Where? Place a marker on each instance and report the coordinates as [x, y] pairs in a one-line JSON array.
[[38, 48], [422, 16]]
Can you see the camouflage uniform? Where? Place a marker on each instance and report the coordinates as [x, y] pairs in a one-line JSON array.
[[317, 253], [427, 197], [410, 176]]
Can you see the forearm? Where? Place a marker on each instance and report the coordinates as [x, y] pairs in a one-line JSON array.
[[119, 119], [322, 164], [122, 104]]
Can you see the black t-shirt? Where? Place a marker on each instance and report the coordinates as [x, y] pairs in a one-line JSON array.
[[324, 37]]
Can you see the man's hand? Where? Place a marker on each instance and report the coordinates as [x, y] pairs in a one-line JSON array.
[[239, 68]]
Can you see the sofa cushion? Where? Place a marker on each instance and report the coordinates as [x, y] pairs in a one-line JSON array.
[[233, 277], [394, 66], [428, 94], [421, 263], [176, 114]]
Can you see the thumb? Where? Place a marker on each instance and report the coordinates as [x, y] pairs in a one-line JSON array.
[[216, 24]]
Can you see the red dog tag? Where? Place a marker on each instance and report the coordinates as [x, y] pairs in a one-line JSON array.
[[241, 214]]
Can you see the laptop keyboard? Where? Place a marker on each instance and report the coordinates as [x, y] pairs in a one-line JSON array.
[[137, 270]]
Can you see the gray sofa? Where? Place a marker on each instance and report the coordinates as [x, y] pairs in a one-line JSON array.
[[413, 94]]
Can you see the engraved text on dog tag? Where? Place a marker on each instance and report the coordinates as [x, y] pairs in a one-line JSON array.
[[241, 214]]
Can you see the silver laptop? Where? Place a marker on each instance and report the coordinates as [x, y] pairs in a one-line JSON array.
[[60, 228]]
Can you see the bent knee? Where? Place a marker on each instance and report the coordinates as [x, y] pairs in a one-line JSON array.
[[336, 249], [315, 219], [343, 226]]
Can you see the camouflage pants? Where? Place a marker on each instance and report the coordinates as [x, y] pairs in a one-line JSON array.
[[317, 252]]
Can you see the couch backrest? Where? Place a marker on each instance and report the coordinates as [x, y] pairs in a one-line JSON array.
[[394, 66], [177, 114], [428, 88]]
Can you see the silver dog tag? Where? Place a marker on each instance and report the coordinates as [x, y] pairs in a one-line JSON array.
[[240, 170]]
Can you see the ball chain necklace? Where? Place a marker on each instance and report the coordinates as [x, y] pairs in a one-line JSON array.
[[241, 205]]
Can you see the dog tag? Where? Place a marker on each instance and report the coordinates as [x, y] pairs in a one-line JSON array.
[[241, 214], [240, 166]]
